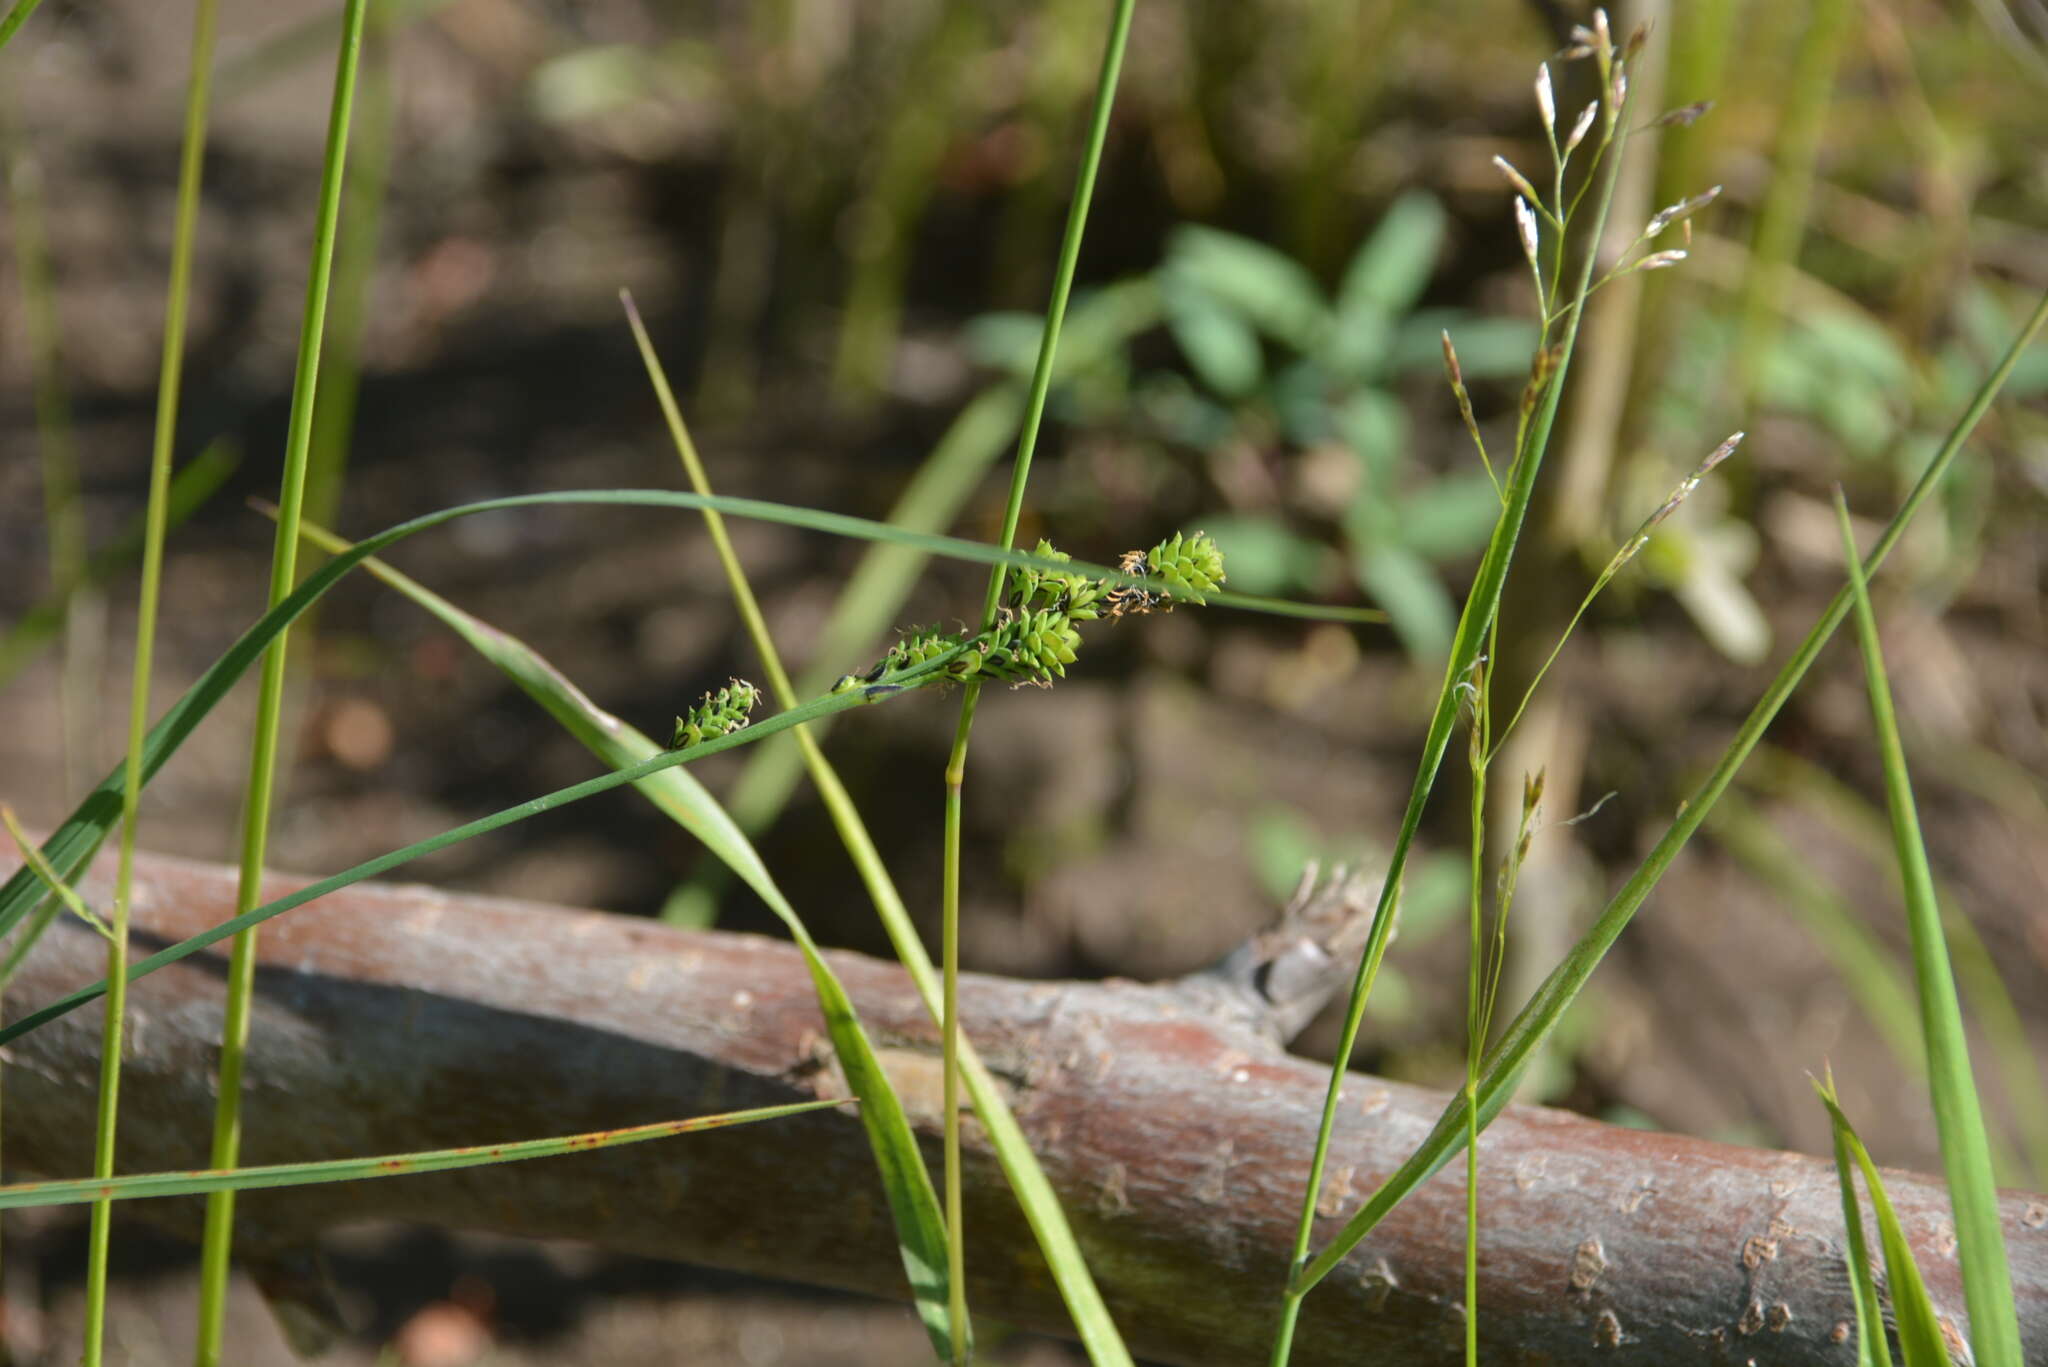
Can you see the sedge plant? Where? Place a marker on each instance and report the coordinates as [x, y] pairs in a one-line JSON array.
[[1030, 633]]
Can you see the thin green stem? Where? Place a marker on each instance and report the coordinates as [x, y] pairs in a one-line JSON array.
[[1474, 626], [1026, 1178], [949, 1010], [227, 1128], [155, 525], [1062, 287], [1475, 1026], [1526, 1033], [956, 764]]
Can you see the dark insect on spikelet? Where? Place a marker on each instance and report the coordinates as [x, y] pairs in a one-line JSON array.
[[721, 713]]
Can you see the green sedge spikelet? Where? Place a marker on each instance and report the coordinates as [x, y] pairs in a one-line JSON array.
[[1032, 648], [1036, 635], [720, 714], [1190, 564], [1076, 596]]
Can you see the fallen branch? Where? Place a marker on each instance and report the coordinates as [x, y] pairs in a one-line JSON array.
[[1174, 1127]]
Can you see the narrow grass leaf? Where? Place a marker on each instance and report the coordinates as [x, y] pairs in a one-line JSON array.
[[1919, 1328], [1525, 1035], [141, 1186], [16, 17], [675, 791], [1958, 1115], [71, 845], [63, 893], [1871, 1348], [921, 1233], [1475, 625]]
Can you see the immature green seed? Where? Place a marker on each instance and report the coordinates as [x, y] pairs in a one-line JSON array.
[[1034, 647], [721, 713], [1190, 563]]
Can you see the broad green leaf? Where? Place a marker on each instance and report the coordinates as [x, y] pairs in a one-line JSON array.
[[1488, 348], [1386, 276], [1271, 290], [1417, 604], [1958, 1115], [1217, 340], [141, 1186], [1266, 556], [1450, 516], [1374, 424], [1300, 393]]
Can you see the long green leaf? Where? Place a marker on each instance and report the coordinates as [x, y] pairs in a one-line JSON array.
[[70, 846], [1475, 626], [888, 1128], [141, 1186], [922, 1235], [1528, 1031], [612, 739], [1958, 1115], [1919, 1329], [1027, 1178], [679, 795], [384, 863], [1871, 1348]]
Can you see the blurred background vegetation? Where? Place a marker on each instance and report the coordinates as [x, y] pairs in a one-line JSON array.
[[840, 216]]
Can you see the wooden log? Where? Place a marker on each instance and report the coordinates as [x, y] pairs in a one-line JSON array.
[[1176, 1131]]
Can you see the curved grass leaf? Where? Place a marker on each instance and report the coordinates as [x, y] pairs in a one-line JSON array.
[[143, 1185], [1871, 1348], [1042, 1210], [1958, 1115], [1919, 1329], [888, 1129], [73, 842], [1532, 1027], [684, 800]]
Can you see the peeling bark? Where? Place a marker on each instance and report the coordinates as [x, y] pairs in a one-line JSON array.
[[1177, 1133]]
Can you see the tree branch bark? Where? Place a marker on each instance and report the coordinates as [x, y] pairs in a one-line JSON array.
[[1177, 1133]]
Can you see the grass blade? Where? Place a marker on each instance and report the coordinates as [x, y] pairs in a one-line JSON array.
[[1958, 1115], [142, 1186], [1528, 1031], [1919, 1328], [684, 800], [675, 791], [956, 761], [1475, 625], [261, 787], [16, 17], [71, 845], [1871, 1348]]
